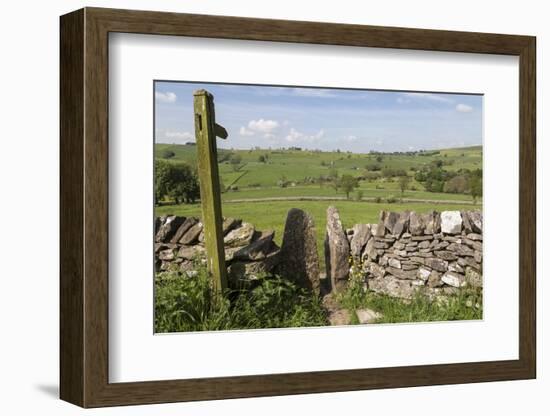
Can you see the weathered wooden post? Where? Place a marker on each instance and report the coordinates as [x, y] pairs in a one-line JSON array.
[[206, 131]]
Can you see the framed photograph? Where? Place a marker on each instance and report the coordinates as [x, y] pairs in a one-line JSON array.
[[254, 207]]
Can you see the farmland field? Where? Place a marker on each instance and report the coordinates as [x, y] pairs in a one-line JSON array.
[[266, 183]]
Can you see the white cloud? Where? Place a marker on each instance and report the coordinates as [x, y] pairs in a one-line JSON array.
[[350, 138], [263, 126], [166, 97], [463, 108], [429, 96], [296, 136], [245, 132], [403, 100], [312, 92]]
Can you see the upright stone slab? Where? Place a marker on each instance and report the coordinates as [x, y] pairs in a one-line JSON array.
[[337, 251], [299, 259]]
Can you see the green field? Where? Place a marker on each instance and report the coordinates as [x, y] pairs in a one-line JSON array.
[[297, 165], [256, 197]]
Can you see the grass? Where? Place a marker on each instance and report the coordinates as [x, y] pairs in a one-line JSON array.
[[467, 304], [184, 304], [459, 307]]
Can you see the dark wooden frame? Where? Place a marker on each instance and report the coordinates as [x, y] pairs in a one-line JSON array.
[[84, 207]]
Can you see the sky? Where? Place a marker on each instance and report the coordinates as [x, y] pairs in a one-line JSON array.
[[322, 118]]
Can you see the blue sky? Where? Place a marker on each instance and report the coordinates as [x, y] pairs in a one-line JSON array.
[[322, 118]]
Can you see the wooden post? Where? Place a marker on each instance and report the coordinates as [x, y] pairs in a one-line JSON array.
[[206, 130]]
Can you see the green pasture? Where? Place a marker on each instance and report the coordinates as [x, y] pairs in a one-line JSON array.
[[296, 165]]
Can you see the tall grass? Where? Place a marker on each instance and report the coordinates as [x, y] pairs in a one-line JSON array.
[[185, 304]]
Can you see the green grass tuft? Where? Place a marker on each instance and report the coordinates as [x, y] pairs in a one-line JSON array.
[[184, 304]]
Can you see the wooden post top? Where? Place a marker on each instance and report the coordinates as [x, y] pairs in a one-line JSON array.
[[202, 92]]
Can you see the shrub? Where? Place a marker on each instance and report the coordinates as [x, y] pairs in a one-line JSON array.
[[167, 154], [373, 167], [391, 173], [391, 199]]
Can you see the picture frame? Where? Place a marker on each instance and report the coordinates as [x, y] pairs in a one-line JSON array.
[[84, 217]]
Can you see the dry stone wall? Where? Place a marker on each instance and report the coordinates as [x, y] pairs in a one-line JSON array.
[[402, 253], [405, 251], [179, 245]]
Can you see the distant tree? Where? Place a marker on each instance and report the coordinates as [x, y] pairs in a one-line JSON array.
[[348, 183], [359, 195], [476, 185], [261, 159], [235, 161], [404, 182], [373, 167], [177, 181], [224, 155], [392, 173], [457, 185], [167, 154], [379, 158]]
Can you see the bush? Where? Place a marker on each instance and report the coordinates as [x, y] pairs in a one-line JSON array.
[[378, 200], [371, 176], [392, 173], [373, 167], [167, 154], [359, 195], [391, 199]]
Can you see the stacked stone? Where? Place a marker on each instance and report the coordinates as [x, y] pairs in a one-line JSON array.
[[407, 251], [179, 244]]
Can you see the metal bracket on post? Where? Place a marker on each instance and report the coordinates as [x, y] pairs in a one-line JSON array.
[[206, 131]]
